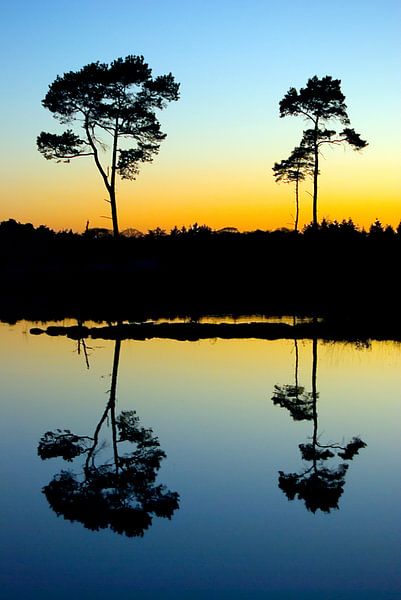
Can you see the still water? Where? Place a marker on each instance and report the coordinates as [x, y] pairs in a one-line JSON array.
[[248, 467]]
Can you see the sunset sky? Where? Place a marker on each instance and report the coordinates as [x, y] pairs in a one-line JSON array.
[[235, 60]]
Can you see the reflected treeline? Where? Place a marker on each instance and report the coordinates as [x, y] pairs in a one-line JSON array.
[[321, 483], [119, 492]]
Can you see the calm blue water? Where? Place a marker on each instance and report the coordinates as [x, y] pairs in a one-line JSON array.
[[234, 532]]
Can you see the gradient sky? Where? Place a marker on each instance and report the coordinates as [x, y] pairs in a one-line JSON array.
[[235, 60]]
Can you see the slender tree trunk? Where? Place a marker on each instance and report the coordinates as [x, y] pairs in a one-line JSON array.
[[296, 204], [110, 186], [113, 206], [315, 173], [112, 192]]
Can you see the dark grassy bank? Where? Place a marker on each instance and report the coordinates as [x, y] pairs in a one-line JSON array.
[[347, 276], [325, 330]]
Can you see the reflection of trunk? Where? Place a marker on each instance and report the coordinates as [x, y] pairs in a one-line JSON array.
[[314, 397], [112, 401], [91, 453], [110, 408], [296, 360], [82, 343]]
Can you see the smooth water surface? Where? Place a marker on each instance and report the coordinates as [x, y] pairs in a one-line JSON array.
[[239, 510]]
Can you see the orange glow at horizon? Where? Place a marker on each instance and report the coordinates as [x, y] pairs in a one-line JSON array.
[[266, 209], [219, 193]]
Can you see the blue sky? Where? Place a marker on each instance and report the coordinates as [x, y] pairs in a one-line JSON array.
[[234, 60]]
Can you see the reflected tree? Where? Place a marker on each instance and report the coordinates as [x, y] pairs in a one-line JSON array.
[[293, 396], [321, 484], [119, 492]]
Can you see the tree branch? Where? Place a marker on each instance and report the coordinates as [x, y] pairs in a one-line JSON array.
[[96, 156], [68, 156], [339, 141], [109, 130]]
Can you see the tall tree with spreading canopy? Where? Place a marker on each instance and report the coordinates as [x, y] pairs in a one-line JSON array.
[[294, 169], [321, 102], [113, 106]]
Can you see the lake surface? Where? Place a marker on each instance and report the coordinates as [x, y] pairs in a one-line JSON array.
[[243, 511]]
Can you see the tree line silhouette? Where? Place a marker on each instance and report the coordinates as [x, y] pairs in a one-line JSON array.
[[334, 269], [13, 231]]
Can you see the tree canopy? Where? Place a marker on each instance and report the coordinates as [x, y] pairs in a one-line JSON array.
[[320, 102], [114, 107], [121, 495]]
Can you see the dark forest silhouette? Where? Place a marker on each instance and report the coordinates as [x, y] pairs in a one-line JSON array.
[[120, 493], [321, 483], [335, 270]]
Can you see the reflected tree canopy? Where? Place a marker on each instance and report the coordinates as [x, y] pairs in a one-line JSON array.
[[294, 398], [321, 484], [119, 492]]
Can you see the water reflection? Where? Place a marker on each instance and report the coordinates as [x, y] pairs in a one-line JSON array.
[[321, 484], [192, 395], [82, 347], [119, 493]]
